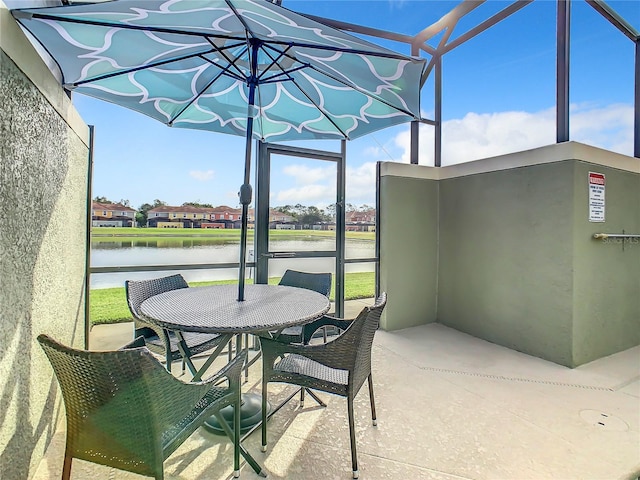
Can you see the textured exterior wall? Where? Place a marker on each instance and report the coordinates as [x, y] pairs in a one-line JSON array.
[[506, 258], [43, 185], [408, 249], [606, 306], [516, 260]]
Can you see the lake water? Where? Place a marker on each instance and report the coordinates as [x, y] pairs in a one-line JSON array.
[[197, 251]]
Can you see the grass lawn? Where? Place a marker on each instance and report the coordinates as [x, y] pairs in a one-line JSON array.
[[109, 305]]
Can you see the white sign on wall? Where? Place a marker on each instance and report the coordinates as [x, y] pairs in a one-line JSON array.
[[596, 197]]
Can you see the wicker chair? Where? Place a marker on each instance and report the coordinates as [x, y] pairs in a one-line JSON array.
[[318, 282], [124, 410], [339, 366], [160, 340]]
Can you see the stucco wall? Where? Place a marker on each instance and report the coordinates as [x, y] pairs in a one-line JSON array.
[[506, 258], [408, 246], [606, 304], [43, 185], [516, 260]]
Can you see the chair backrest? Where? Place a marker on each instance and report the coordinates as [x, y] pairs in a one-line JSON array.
[[110, 406], [138, 291], [360, 335], [318, 282]]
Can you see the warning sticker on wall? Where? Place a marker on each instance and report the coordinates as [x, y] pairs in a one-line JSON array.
[[596, 197]]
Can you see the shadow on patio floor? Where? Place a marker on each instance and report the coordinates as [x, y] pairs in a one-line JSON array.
[[450, 406]]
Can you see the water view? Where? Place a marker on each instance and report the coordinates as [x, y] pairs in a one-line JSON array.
[[136, 252]]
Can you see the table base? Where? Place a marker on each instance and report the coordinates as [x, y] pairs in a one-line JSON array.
[[250, 414]]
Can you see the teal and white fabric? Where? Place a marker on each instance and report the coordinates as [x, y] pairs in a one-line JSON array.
[[191, 64]]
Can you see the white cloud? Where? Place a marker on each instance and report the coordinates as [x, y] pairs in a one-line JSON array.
[[372, 151], [473, 137], [609, 127], [478, 136], [361, 183], [305, 175], [306, 195], [202, 176], [314, 186]]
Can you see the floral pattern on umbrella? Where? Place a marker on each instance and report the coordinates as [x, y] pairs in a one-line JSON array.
[[188, 64]]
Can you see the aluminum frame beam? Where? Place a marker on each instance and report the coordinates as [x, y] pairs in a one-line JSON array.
[[562, 70], [449, 21]]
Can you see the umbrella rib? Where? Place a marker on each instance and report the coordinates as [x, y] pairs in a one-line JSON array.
[[351, 51], [240, 19], [164, 62], [274, 78], [354, 51], [324, 113], [320, 109], [134, 69], [197, 95], [364, 92], [239, 75], [19, 14], [336, 79], [274, 61]]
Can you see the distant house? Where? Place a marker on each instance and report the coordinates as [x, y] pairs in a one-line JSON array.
[[188, 216], [277, 219], [112, 215], [364, 221], [227, 216]]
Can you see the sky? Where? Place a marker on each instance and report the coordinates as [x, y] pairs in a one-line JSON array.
[[498, 97]]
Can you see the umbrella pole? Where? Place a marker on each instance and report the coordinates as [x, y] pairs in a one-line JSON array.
[[245, 196], [245, 190], [245, 199]]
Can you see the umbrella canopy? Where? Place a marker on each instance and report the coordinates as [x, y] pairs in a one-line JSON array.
[[243, 67]]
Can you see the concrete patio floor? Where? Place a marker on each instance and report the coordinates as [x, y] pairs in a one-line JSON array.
[[450, 406]]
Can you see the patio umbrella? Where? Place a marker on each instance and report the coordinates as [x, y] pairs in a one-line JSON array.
[[243, 67]]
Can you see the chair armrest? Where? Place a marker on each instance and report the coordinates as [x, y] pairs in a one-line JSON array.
[[337, 353], [135, 343], [310, 328], [175, 398], [178, 407]]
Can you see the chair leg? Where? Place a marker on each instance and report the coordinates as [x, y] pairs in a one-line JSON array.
[[264, 415], [352, 436], [236, 435], [302, 397], [246, 349], [373, 402], [66, 467]]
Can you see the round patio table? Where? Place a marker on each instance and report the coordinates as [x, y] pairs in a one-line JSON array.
[[215, 309]]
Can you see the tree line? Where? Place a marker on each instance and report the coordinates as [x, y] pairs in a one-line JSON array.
[[306, 215]]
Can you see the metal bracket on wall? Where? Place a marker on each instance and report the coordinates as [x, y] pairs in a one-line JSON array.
[[618, 238]]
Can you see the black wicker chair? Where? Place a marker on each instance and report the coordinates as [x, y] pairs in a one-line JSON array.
[[318, 282], [160, 340], [124, 410], [339, 366]]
